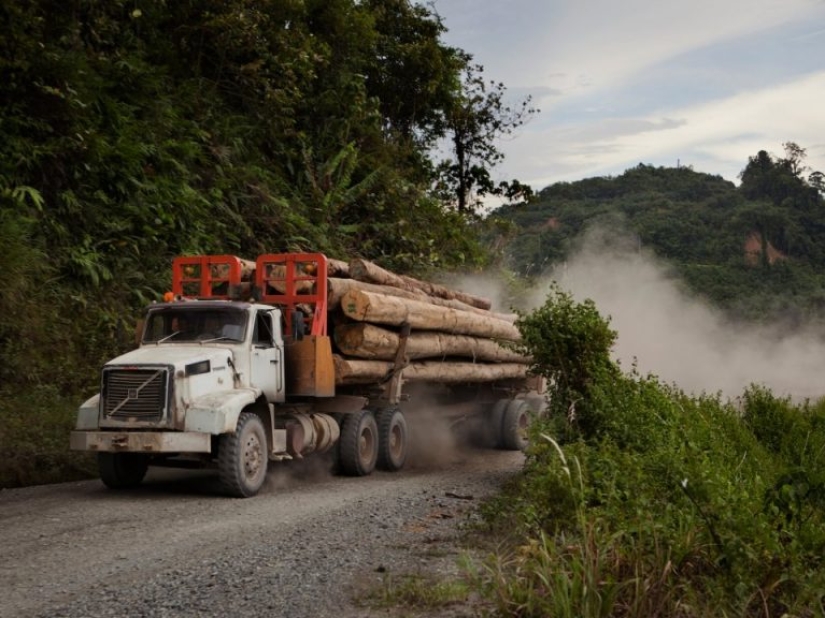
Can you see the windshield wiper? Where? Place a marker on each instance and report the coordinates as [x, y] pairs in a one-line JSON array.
[[177, 332], [216, 339]]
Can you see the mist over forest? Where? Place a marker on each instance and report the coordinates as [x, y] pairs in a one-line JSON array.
[[665, 329], [710, 285]]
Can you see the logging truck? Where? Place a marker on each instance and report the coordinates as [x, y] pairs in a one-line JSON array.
[[246, 363]]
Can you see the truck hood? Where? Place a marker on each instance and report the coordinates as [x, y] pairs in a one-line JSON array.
[[177, 355]]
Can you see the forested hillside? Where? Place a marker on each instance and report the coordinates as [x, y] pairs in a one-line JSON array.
[[757, 250], [134, 132]]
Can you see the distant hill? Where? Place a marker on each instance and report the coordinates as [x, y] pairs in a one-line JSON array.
[[757, 250]]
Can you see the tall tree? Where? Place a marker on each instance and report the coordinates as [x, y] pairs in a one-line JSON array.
[[780, 179], [411, 72], [477, 117]]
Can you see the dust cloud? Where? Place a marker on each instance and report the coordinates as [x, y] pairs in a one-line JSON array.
[[314, 468], [437, 434], [678, 337]]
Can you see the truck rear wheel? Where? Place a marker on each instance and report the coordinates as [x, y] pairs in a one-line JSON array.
[[122, 470], [392, 439], [359, 443], [514, 425], [242, 457], [495, 422]]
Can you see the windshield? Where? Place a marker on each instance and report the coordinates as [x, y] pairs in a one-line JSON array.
[[187, 324]]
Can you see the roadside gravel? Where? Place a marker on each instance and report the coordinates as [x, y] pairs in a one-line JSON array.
[[310, 545]]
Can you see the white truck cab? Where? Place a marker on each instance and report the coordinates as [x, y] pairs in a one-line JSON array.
[[208, 383]]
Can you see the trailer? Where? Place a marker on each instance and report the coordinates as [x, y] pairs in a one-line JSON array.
[[247, 363]]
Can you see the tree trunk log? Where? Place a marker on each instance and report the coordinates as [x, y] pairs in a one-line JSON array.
[[364, 306], [369, 341], [364, 270], [337, 268], [247, 269], [338, 287], [349, 371], [355, 371], [444, 372]]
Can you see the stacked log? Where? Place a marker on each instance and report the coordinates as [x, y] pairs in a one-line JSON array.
[[367, 271], [340, 286], [364, 306], [454, 337], [355, 371], [373, 342]]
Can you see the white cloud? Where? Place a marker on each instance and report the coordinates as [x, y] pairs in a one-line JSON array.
[[704, 83], [715, 137], [576, 45], [602, 42]]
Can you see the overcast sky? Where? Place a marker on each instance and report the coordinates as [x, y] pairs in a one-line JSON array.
[[705, 83]]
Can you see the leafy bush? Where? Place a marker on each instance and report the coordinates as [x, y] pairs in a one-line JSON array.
[[34, 438], [650, 502], [570, 345]]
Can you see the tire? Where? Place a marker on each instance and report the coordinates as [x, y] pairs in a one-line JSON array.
[[122, 470], [243, 457], [392, 439], [494, 422], [359, 444], [514, 426]]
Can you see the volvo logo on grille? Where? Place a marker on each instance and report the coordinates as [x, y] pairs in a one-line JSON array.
[[135, 393]]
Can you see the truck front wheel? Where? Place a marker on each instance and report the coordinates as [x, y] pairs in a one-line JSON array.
[[359, 443], [392, 439], [243, 458], [122, 470]]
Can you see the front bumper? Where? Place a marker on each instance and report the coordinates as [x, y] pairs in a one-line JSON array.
[[141, 441]]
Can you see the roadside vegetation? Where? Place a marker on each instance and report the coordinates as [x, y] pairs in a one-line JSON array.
[[639, 500], [419, 593]]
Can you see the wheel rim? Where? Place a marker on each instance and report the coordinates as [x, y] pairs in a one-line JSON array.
[[523, 423], [396, 442], [252, 456], [366, 445]]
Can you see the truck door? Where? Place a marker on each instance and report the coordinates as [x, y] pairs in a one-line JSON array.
[[267, 362]]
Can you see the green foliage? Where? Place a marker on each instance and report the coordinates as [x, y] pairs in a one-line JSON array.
[[418, 592], [780, 180], [570, 345], [36, 423], [473, 121], [662, 504], [172, 129]]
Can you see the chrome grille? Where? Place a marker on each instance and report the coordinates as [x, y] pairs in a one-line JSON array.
[[138, 394]]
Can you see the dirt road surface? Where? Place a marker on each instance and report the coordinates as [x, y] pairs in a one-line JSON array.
[[309, 545]]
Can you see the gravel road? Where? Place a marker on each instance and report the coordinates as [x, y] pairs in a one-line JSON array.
[[309, 545]]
